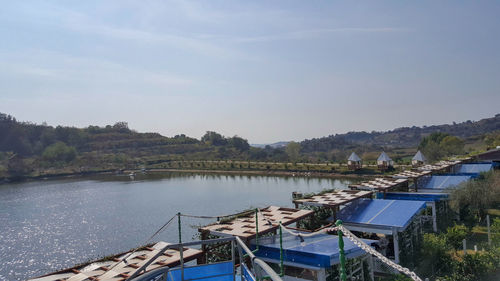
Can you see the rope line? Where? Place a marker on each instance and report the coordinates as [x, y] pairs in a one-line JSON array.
[[361, 244], [163, 227]]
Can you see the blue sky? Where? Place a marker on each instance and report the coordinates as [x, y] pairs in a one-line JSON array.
[[263, 70]]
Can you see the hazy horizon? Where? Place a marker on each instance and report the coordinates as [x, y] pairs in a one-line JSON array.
[[265, 71]]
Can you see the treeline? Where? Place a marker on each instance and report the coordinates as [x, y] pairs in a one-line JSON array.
[[404, 137]]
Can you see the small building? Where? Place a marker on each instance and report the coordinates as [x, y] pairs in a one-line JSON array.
[[418, 159], [354, 162], [384, 162]]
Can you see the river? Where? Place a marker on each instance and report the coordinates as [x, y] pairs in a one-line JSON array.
[[54, 224]]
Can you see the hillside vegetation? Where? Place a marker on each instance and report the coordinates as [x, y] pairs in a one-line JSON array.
[[28, 149]]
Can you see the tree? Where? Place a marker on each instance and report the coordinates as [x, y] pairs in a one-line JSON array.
[[213, 138], [59, 152], [293, 151], [452, 145]]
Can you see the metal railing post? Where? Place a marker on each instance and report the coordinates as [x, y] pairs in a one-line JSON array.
[[343, 276], [179, 224], [181, 256]]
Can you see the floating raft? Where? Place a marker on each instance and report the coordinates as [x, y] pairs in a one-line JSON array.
[[244, 227], [116, 269], [381, 184], [333, 199]]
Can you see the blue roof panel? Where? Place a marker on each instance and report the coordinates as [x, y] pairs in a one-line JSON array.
[[321, 250], [413, 196], [440, 183], [386, 213], [474, 168]]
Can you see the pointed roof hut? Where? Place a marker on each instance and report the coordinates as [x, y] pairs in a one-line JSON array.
[[354, 162], [418, 159], [384, 161]]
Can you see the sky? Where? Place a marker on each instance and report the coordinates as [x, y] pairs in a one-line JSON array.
[[264, 70]]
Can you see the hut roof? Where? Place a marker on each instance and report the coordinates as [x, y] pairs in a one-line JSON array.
[[384, 157], [354, 157], [419, 157]]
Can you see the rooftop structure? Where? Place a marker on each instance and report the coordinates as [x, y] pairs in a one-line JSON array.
[[311, 256], [245, 226], [354, 162], [474, 168], [333, 199], [411, 174], [384, 161], [389, 217], [492, 155], [442, 183], [115, 269], [418, 159], [381, 184]]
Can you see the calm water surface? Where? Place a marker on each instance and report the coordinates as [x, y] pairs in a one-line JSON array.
[[50, 225]]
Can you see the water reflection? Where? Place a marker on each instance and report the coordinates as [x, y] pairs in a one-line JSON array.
[[50, 225]]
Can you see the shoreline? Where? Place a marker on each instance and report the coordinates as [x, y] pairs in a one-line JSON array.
[[301, 174]]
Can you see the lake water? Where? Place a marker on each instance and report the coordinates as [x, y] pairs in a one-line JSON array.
[[54, 224]]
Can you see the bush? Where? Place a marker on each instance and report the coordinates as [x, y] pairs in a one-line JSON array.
[[59, 152]]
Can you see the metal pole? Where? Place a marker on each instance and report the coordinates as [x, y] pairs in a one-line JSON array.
[[179, 223], [181, 255], [256, 229], [488, 225], [282, 270], [343, 276]]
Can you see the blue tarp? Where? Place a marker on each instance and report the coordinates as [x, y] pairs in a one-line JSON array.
[[413, 196], [385, 213], [442, 182], [475, 168], [210, 272], [320, 251]]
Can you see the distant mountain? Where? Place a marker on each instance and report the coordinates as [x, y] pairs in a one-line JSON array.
[[400, 137], [273, 145]]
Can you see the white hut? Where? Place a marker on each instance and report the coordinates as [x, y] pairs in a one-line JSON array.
[[384, 162], [418, 159], [354, 162]]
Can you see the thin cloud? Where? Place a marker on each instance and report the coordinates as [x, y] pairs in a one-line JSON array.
[[314, 33]]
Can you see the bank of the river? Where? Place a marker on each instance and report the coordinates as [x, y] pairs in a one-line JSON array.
[[316, 174]]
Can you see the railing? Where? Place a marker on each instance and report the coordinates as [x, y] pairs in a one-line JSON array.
[[260, 268]]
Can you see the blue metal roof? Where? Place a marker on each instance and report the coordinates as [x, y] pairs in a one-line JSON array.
[[442, 182], [383, 213], [321, 250], [475, 168], [413, 196]]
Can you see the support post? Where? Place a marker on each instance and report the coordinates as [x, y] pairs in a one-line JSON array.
[[489, 231], [181, 256], [179, 223], [282, 269], [396, 245], [464, 243], [343, 276], [434, 217]]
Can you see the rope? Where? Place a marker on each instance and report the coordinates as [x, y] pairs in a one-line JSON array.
[[365, 247], [145, 243], [324, 230], [216, 217], [358, 242]]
